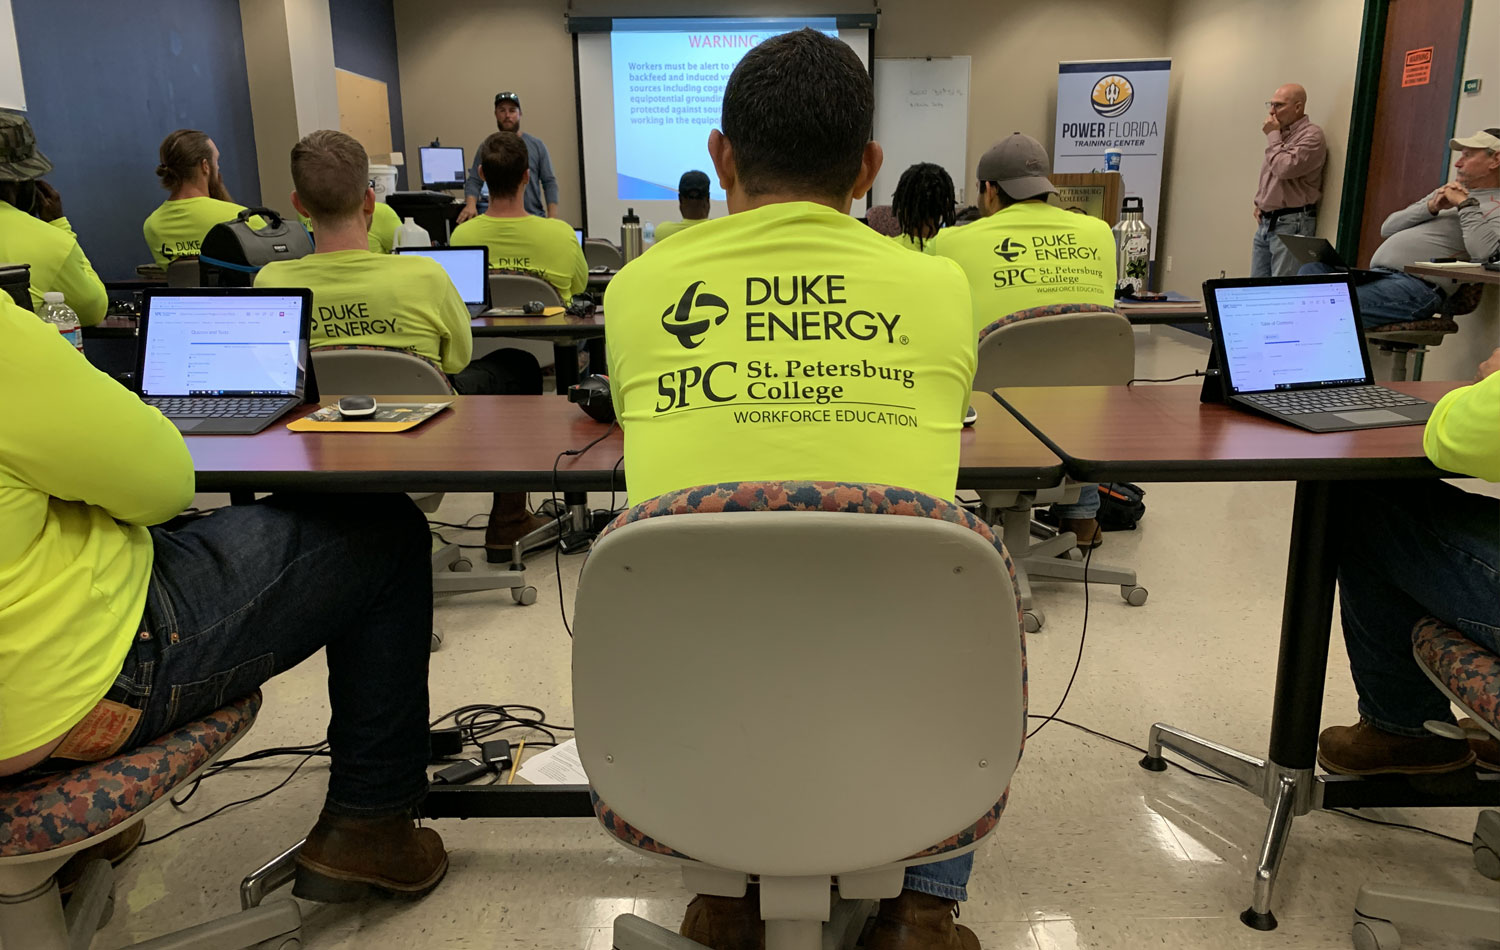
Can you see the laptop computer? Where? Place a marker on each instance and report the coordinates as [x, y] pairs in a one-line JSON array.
[[467, 267], [1291, 348], [1316, 250], [223, 360]]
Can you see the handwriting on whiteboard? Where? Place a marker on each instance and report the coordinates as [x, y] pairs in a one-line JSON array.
[[936, 98]]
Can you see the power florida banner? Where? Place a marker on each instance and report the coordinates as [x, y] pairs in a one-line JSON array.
[[1115, 104]]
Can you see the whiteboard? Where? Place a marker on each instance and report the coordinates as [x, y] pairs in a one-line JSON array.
[[12, 93], [921, 115]]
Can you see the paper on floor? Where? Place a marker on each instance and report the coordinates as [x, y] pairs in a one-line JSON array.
[[556, 766]]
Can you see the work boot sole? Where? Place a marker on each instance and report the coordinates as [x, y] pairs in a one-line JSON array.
[[326, 885], [1436, 769]]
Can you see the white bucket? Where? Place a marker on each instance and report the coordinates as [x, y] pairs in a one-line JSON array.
[[383, 180]]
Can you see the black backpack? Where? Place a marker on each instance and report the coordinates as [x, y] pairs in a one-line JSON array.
[[233, 252], [1121, 506]]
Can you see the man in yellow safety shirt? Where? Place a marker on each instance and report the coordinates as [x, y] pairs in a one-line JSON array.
[[197, 199]]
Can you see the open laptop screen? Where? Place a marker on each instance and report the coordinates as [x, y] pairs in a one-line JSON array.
[[1283, 335], [466, 267], [222, 344]]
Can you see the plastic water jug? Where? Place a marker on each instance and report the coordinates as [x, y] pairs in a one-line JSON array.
[[412, 234]]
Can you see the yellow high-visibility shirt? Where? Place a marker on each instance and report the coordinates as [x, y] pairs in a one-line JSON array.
[[545, 247], [789, 342], [57, 262], [177, 227]]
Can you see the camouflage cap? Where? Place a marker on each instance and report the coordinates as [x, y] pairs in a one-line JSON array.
[[20, 159]]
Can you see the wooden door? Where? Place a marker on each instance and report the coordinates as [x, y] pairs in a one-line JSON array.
[[1409, 157]]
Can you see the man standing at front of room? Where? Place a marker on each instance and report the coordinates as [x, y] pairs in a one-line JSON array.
[[540, 197], [1291, 181]]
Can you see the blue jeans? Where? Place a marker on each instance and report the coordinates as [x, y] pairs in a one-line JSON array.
[[1396, 298], [946, 879], [1410, 550], [1268, 256], [1087, 505], [247, 592]]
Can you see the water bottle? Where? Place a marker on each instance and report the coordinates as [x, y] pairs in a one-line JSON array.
[[412, 234], [630, 235], [56, 312], [1132, 248]]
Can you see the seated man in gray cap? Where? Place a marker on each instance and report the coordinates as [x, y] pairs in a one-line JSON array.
[[692, 201], [1027, 253], [1461, 219], [33, 230]]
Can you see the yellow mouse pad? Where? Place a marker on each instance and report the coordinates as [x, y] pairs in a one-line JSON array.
[[389, 417], [518, 312]]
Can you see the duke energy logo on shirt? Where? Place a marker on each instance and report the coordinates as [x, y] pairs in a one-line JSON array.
[[1112, 96], [785, 309]]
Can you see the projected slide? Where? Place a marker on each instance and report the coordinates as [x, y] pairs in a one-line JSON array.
[[669, 77]]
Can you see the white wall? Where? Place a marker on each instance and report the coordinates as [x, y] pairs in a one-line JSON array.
[[12, 90]]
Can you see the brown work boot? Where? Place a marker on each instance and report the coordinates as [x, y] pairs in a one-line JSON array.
[[1486, 748], [726, 923], [1086, 530], [115, 851], [915, 921], [1365, 750], [348, 859], [509, 522]]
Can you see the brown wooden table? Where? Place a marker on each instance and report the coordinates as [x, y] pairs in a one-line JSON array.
[[1148, 314], [1163, 433], [1470, 274], [510, 443]]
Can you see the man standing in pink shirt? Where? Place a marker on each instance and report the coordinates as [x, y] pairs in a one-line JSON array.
[[1291, 181]]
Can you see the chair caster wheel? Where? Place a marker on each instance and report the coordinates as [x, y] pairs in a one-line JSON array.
[[1372, 934], [462, 565], [1031, 620], [1134, 596], [525, 596]]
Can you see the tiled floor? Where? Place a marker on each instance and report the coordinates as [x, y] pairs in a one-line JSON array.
[[1092, 853]]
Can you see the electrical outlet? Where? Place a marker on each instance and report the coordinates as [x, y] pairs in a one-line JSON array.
[[1169, 263]]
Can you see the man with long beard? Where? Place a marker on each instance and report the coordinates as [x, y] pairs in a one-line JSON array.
[[540, 196], [197, 198]]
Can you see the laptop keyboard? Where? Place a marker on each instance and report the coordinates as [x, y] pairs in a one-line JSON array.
[[217, 407], [1331, 400]]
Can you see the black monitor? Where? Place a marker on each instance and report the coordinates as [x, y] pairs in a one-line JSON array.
[[442, 167]]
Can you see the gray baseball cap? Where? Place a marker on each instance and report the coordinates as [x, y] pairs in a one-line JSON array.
[[1019, 165]]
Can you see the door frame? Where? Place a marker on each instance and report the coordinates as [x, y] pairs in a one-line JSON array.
[[1362, 118]]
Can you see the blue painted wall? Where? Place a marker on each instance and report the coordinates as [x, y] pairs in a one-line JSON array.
[[364, 42], [106, 82]]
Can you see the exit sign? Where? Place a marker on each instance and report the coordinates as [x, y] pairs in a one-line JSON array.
[[1471, 86]]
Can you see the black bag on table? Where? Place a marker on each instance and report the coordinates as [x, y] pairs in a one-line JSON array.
[[233, 252]]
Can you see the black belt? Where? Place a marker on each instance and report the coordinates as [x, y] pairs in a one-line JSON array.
[[1279, 212]]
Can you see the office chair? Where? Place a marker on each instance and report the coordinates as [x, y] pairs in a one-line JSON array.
[[1414, 337], [508, 289], [601, 253], [376, 371], [183, 272], [46, 820], [1470, 677], [15, 279], [1056, 345], [715, 622]]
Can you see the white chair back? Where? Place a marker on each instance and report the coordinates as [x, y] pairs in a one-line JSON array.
[[795, 693], [601, 253], [366, 372], [1064, 349], [516, 290]]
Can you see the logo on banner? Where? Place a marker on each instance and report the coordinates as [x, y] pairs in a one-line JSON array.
[[691, 316], [1112, 96]]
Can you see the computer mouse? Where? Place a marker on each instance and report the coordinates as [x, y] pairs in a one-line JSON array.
[[533, 306], [970, 416], [592, 393], [357, 407]]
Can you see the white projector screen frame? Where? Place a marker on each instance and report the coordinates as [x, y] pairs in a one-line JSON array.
[[594, 79]]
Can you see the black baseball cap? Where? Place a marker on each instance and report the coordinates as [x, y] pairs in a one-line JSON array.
[[507, 97], [693, 184]]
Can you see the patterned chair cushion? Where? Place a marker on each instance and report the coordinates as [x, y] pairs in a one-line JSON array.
[[47, 812], [1463, 299], [882, 218], [1468, 669], [1429, 325], [816, 496], [1050, 310]]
